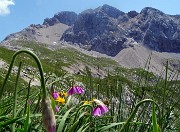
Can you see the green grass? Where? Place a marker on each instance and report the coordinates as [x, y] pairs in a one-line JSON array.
[[64, 56], [146, 102]]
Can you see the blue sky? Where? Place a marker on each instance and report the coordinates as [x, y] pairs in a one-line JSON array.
[[15, 15]]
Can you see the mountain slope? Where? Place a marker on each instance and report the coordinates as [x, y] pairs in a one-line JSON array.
[[128, 38], [107, 34]]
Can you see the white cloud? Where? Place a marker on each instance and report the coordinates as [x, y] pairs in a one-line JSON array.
[[4, 6]]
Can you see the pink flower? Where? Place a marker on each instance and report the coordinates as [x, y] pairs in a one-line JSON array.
[[97, 111], [56, 108], [55, 95], [100, 109], [103, 108], [75, 90]]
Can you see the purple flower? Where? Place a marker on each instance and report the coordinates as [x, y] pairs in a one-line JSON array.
[[100, 109], [75, 90], [103, 108], [97, 111], [56, 108], [55, 95]]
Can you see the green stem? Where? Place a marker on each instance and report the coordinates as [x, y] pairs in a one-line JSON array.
[[15, 96], [164, 91], [38, 64], [83, 106], [27, 97], [135, 110]]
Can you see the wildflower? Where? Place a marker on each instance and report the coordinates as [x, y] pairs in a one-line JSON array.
[[55, 95], [75, 90], [48, 115], [97, 112], [56, 108], [60, 100], [100, 109], [87, 102], [63, 94]]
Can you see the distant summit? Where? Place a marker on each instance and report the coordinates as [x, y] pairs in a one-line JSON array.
[[65, 17], [108, 30]]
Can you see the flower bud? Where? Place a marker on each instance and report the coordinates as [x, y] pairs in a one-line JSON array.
[[48, 115]]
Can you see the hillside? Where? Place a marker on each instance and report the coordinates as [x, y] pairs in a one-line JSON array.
[[128, 38], [102, 70]]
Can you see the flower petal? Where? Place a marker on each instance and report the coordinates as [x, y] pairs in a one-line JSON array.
[[60, 100], [75, 90], [71, 91], [79, 90], [97, 111], [55, 95], [103, 108], [56, 108], [98, 102]]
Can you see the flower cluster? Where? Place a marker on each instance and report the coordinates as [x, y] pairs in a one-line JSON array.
[[99, 109], [60, 98]]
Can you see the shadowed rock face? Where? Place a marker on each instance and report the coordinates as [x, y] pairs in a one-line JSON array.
[[157, 30], [98, 30], [106, 30], [65, 17]]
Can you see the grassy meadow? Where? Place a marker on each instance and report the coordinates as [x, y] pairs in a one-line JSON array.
[[124, 100]]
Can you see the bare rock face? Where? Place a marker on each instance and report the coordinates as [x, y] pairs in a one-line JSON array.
[[107, 30], [65, 17], [132, 14], [98, 30], [111, 11], [157, 30], [28, 34]]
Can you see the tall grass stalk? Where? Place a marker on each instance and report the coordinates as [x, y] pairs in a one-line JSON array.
[[135, 111], [15, 96], [164, 94]]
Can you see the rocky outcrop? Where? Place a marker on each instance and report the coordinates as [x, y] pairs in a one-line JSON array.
[[98, 30], [107, 30], [28, 33], [33, 32], [65, 17], [157, 30], [111, 11]]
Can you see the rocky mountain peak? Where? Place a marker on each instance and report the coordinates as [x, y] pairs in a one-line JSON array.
[[97, 26], [149, 11], [132, 14], [108, 30], [111, 11], [65, 17]]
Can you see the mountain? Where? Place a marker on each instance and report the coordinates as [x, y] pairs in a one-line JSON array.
[[129, 38], [109, 34]]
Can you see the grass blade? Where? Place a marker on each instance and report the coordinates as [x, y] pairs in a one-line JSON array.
[[28, 120], [154, 120], [61, 124]]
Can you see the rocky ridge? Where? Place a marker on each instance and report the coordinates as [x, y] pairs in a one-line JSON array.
[[100, 31], [111, 32]]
